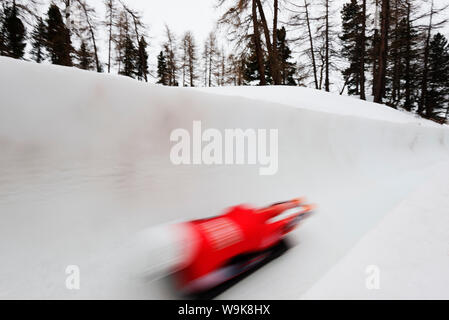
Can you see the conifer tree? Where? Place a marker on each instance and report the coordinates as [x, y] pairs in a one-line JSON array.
[[287, 68], [142, 61], [268, 74], [14, 34], [379, 77], [434, 22], [57, 38], [2, 32], [438, 78], [38, 41], [85, 57], [251, 64], [162, 69], [129, 59], [410, 60], [394, 68], [351, 38], [111, 13]]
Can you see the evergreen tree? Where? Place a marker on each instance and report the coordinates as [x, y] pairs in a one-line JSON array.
[[433, 23], [379, 76], [38, 41], [438, 77], [130, 58], [57, 39], [404, 65], [162, 69], [2, 32], [268, 74], [85, 57], [373, 51], [251, 64], [14, 34], [287, 68], [142, 62], [351, 38], [402, 84], [410, 58], [394, 68]]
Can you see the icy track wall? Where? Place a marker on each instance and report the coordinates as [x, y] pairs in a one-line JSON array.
[[85, 165]]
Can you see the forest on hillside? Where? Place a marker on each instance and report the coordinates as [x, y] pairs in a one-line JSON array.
[[393, 52]]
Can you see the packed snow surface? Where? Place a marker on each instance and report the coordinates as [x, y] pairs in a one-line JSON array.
[[85, 166]]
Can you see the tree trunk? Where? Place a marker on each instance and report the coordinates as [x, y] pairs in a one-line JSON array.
[[67, 15], [110, 38], [275, 24], [136, 31], [206, 50], [326, 81], [375, 52], [258, 46], [210, 69], [312, 50], [191, 70], [94, 43], [184, 73], [422, 100], [407, 76], [363, 52], [272, 52], [120, 50], [344, 86], [395, 94], [380, 80], [91, 31], [223, 67]]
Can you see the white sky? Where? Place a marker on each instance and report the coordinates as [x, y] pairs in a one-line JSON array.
[[198, 16]]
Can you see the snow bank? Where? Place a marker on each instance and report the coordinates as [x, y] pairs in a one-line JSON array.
[[85, 165], [306, 98]]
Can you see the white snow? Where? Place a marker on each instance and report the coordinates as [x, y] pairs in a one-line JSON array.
[[301, 97], [410, 248], [84, 166]]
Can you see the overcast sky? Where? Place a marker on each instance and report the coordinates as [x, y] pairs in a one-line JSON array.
[[199, 16]]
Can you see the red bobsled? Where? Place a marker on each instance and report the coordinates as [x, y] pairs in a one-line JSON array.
[[228, 247]]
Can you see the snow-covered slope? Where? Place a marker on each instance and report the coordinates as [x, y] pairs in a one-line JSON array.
[[318, 100], [84, 165]]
